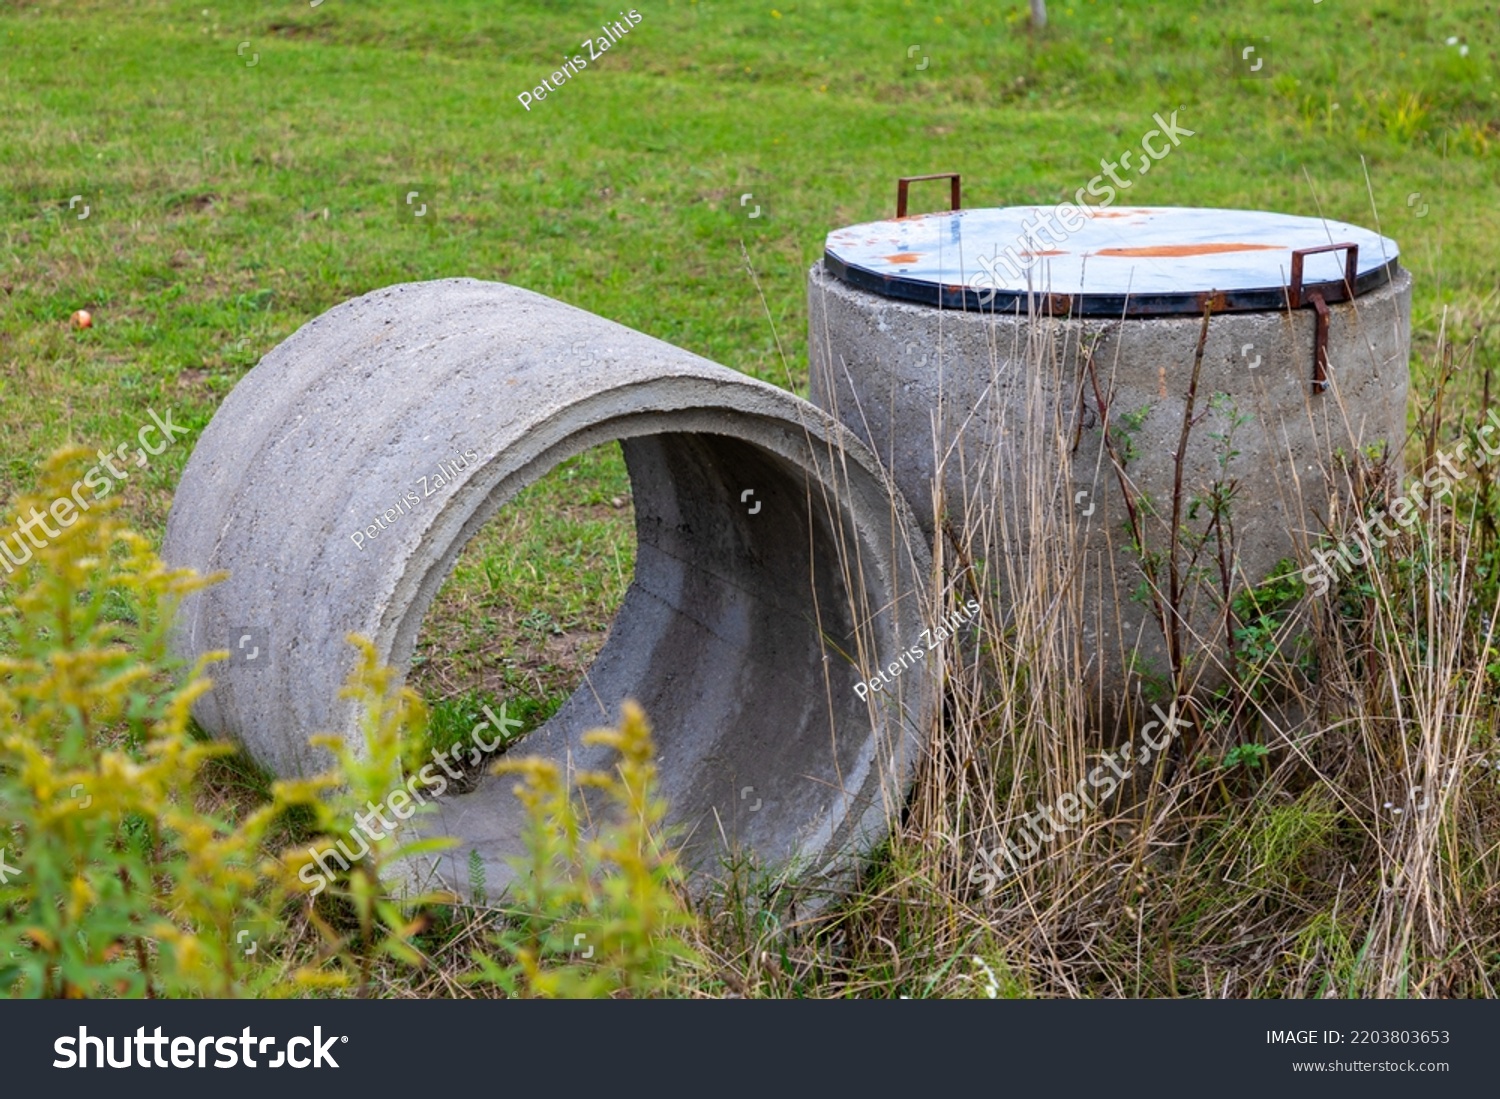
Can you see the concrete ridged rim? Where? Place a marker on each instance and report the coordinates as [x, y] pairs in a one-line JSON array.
[[740, 634]]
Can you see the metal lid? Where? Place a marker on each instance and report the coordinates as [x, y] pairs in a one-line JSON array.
[[1132, 261]]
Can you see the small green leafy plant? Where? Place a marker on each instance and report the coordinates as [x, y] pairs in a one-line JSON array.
[[1249, 756]]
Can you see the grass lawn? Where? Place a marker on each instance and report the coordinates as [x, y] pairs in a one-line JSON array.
[[245, 167]]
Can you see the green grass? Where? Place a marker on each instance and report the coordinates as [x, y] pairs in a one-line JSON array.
[[530, 599], [230, 203], [209, 180]]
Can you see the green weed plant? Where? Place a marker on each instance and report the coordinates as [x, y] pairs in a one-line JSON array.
[[597, 908]]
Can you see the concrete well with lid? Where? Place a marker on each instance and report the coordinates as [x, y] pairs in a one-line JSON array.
[[1025, 375]]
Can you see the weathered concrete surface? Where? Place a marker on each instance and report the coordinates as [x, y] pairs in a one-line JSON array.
[[744, 629], [980, 403]]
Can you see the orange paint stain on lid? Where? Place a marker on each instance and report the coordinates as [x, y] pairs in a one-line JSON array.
[[1187, 249], [902, 257]]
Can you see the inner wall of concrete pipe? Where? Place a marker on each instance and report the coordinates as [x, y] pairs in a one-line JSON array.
[[732, 636]]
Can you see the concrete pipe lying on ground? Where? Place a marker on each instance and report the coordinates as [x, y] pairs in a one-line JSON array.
[[776, 568]]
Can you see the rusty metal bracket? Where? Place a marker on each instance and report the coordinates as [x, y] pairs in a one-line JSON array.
[[1317, 298], [906, 181]]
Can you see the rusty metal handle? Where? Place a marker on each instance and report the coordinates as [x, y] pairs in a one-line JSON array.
[[1351, 268], [1320, 304], [905, 181]]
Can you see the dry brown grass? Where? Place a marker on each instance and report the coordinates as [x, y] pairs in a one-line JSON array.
[[1360, 858]]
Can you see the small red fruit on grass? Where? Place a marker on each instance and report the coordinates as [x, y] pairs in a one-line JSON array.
[[81, 319]]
